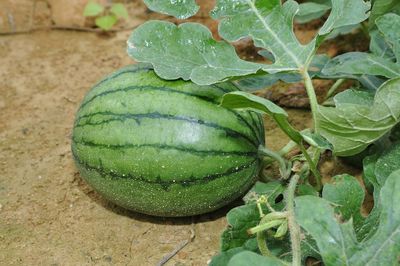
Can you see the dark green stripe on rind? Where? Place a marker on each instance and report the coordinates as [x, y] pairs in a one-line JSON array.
[[255, 121], [137, 118], [151, 161], [251, 136], [189, 181], [168, 147], [153, 199], [171, 199], [147, 88]]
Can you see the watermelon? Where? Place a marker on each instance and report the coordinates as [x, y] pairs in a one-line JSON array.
[[165, 148]]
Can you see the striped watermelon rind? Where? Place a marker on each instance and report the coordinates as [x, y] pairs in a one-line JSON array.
[[165, 148]]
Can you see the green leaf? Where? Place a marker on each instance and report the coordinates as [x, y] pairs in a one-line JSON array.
[[358, 63], [256, 82], [305, 189], [348, 195], [381, 7], [244, 217], [246, 258], [186, 51], [387, 163], [352, 127], [240, 219], [223, 257], [106, 22], [345, 13], [379, 46], [342, 31], [92, 9], [337, 242], [119, 10], [383, 248], [316, 140], [334, 242], [271, 190], [353, 97], [178, 8], [247, 101], [269, 24], [385, 47], [389, 25], [309, 11], [235, 238]]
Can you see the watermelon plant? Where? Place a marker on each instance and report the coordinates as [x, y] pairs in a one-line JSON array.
[[115, 141], [106, 16]]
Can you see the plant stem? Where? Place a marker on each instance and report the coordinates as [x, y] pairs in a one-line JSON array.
[[265, 226], [313, 167], [294, 228], [276, 156], [262, 244], [311, 96], [288, 147], [334, 87]]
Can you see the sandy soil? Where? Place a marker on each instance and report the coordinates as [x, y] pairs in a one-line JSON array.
[[48, 215]]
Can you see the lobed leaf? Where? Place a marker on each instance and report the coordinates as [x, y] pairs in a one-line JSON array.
[[316, 216], [345, 13], [348, 195], [309, 11], [240, 219], [389, 25], [383, 247], [352, 127], [189, 52], [186, 51], [337, 242], [381, 7], [358, 63], [269, 24], [178, 8], [377, 168], [385, 48]]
